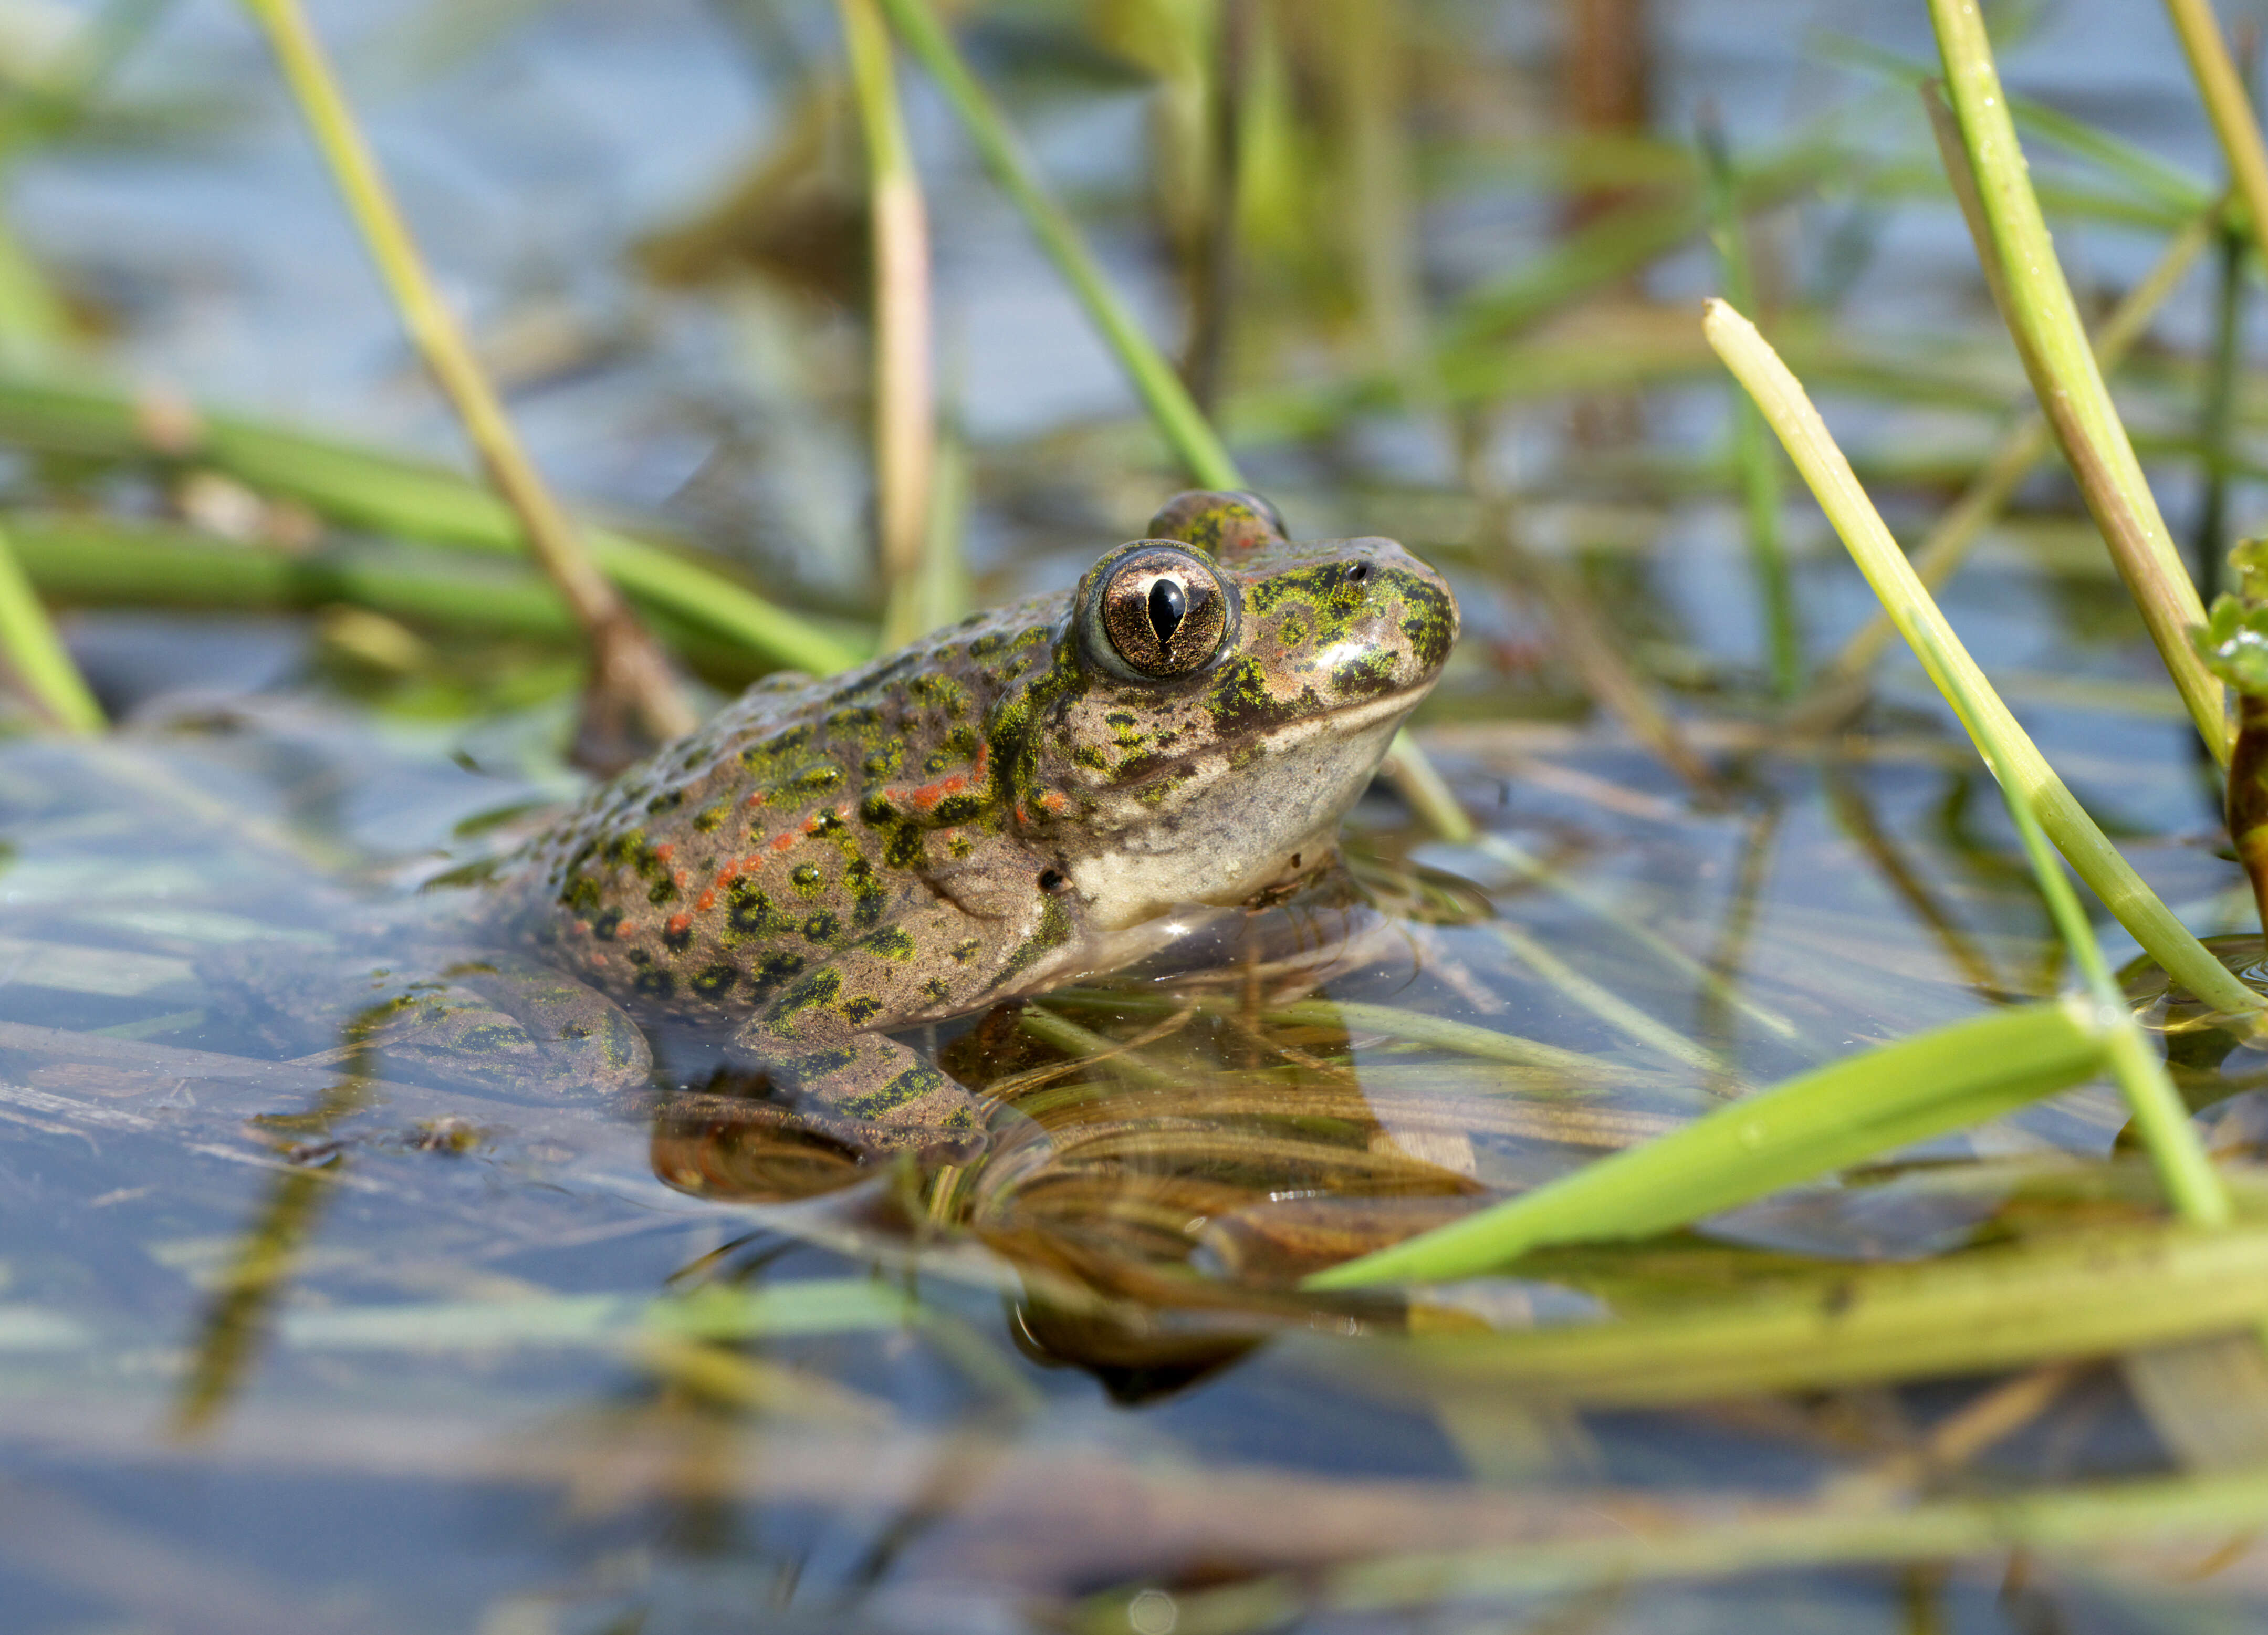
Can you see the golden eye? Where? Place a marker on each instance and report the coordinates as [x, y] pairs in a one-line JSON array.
[[1163, 611]]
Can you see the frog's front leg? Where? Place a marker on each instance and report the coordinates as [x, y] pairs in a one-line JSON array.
[[820, 1039], [865, 1087]]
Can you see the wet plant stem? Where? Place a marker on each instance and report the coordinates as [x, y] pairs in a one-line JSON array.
[[1754, 458], [2043, 319], [371, 490], [37, 654], [2222, 89], [937, 593], [2192, 1186], [2248, 806], [1611, 1008], [1172, 409], [1791, 414], [2020, 448], [1179, 420], [2216, 425], [632, 696], [905, 418]]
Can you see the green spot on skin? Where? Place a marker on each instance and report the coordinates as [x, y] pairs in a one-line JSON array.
[[890, 943], [813, 993], [1054, 930], [910, 1087]]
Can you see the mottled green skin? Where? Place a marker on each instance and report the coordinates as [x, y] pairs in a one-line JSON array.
[[986, 812]]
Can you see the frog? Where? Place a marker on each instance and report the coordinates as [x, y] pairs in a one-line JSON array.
[[1009, 803]]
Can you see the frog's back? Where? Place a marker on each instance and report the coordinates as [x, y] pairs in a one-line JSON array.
[[804, 821]]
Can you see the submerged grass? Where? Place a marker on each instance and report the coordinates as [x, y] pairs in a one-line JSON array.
[[1810, 1126]]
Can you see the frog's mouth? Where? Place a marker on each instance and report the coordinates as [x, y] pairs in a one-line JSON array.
[[1341, 721]]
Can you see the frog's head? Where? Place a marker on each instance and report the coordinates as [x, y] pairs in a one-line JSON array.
[[1213, 713]]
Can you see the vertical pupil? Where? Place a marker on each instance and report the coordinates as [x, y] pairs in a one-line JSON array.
[[1169, 604]]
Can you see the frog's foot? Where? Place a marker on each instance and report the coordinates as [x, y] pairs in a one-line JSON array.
[[868, 1089]]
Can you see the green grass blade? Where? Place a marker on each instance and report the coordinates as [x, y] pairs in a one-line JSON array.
[[2221, 88], [1754, 458], [2076, 835], [1622, 1541], [1807, 1126], [2043, 319], [393, 495], [2164, 1118], [2167, 186], [1175, 413], [37, 654], [905, 412], [2025, 444], [626, 666], [2076, 1294]]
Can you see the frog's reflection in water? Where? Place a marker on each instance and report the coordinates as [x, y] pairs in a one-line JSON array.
[[1165, 1156]]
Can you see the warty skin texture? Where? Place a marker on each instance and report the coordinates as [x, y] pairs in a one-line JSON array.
[[998, 807]]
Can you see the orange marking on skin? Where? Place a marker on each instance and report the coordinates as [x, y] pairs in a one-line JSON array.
[[782, 841], [1055, 800], [1022, 816], [708, 902], [663, 852], [678, 879], [597, 958], [679, 923], [757, 798]]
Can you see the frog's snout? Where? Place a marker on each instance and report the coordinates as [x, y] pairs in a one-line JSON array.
[[1402, 614]]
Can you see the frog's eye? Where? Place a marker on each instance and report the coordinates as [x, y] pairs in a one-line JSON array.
[[1163, 611]]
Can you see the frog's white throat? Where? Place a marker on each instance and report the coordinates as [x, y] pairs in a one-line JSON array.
[[1229, 831]]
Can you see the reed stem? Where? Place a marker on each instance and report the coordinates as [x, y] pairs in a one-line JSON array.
[[1753, 458], [1791, 414], [1172, 409], [629, 676], [2043, 319], [1178, 419], [2022, 447], [37, 654], [2226, 105], [905, 419]]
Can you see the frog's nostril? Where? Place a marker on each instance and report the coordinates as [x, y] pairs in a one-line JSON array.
[[1169, 604], [1357, 572]]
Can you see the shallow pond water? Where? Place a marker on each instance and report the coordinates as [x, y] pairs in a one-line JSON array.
[[273, 1333], [296, 1338]]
